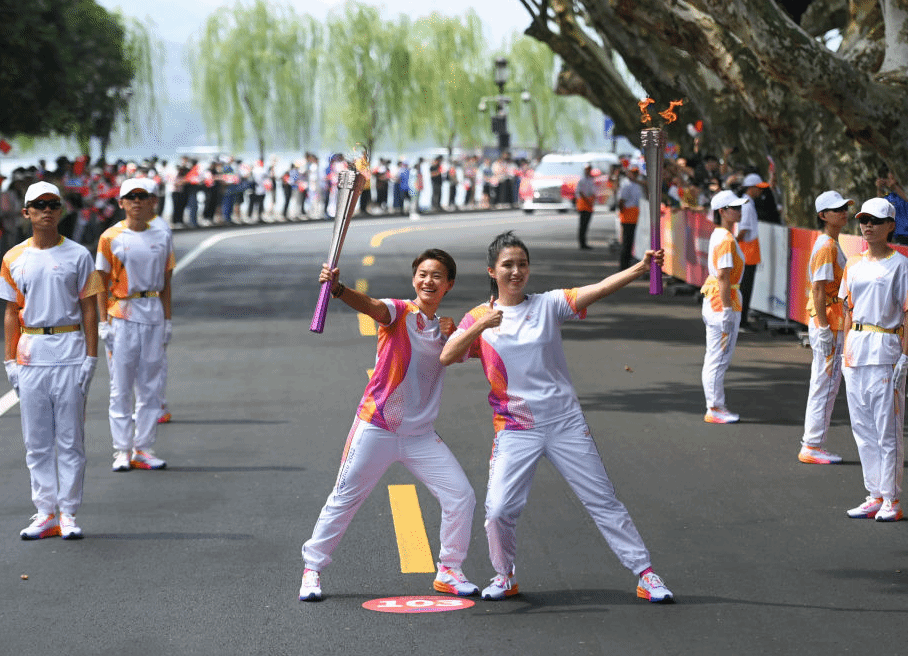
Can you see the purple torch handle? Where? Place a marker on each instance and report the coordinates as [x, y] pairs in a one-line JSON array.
[[653, 142], [321, 309]]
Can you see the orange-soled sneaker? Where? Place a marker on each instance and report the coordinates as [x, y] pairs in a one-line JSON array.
[[720, 416], [146, 459], [651, 588], [165, 418], [501, 586], [814, 455], [43, 525], [891, 511], [311, 586], [453, 581], [866, 510]]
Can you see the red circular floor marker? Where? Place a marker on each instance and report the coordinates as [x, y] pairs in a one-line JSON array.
[[417, 604]]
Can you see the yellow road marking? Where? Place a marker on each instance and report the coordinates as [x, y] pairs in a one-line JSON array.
[[369, 260], [366, 323], [376, 240], [412, 542]]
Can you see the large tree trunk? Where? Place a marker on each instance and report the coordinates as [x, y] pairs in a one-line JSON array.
[[758, 81]]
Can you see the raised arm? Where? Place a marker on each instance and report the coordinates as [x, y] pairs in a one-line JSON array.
[[357, 300], [589, 294], [457, 347]]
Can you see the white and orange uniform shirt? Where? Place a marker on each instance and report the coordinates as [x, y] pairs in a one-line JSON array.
[[724, 253], [136, 262], [750, 245], [827, 264], [404, 394], [877, 293], [47, 284], [524, 361]]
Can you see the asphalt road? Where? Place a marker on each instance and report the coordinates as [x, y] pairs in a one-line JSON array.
[[204, 558]]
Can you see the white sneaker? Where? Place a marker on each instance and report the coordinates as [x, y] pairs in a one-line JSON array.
[[311, 587], [146, 459], [453, 581], [68, 527], [43, 526], [891, 511], [866, 510], [720, 416], [652, 588], [121, 461], [501, 586], [814, 455]]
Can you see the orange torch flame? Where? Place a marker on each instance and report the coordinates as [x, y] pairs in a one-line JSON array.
[[669, 114], [645, 117]]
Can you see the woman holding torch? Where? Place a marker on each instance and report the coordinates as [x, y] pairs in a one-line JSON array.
[[394, 423], [722, 304], [518, 340]]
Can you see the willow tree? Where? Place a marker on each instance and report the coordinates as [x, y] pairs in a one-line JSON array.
[[146, 56], [542, 117], [254, 73], [370, 76], [757, 73], [450, 72]]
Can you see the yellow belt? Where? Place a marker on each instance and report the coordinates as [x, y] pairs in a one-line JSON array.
[[870, 328], [711, 286], [835, 299], [140, 295], [49, 330]]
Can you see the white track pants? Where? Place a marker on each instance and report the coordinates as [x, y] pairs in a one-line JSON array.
[[877, 421], [717, 358], [825, 378], [138, 356], [53, 429], [570, 448], [368, 454]]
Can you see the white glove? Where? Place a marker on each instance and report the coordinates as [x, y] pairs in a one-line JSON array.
[[825, 341], [106, 333], [12, 374], [168, 330], [87, 372], [901, 368]]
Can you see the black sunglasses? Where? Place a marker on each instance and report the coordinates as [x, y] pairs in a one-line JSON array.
[[135, 196], [43, 204], [872, 220]]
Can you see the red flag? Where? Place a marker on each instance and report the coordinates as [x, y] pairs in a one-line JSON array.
[[5, 146]]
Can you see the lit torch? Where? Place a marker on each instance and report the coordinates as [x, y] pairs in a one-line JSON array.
[[653, 142]]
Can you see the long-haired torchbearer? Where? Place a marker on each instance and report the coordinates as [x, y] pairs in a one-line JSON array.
[[350, 185]]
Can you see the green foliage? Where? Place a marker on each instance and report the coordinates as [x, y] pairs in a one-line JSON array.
[[146, 56], [254, 69], [372, 87]]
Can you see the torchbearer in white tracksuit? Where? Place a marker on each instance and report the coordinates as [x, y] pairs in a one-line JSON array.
[[518, 341], [827, 339], [721, 304], [875, 292], [135, 261], [51, 348]]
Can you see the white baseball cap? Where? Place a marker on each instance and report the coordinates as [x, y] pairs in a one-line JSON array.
[[727, 198], [830, 200], [878, 207], [39, 189], [131, 185], [754, 180], [150, 185]]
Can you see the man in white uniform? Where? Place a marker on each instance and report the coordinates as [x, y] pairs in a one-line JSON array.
[[135, 261], [51, 348]]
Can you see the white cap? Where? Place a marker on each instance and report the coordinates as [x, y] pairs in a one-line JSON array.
[[753, 180], [726, 198], [39, 189], [150, 185], [131, 185], [878, 207], [830, 200]]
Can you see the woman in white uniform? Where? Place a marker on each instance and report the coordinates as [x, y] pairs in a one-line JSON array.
[[721, 304], [875, 292], [395, 423], [518, 340], [51, 331], [827, 339]]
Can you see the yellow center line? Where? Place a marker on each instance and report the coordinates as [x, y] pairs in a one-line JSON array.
[[412, 542], [369, 260]]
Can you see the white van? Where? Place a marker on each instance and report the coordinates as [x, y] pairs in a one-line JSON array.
[[552, 183]]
